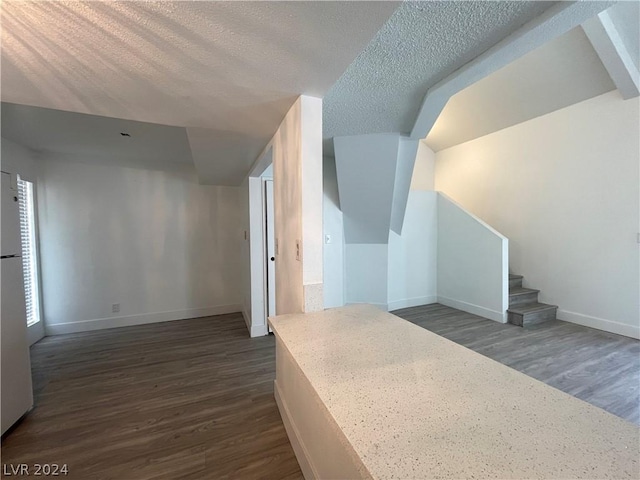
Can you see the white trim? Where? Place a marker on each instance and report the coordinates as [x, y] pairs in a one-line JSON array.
[[302, 455], [255, 330], [35, 332], [257, 253], [554, 22], [141, 319], [247, 319], [259, 331], [632, 331], [382, 306], [474, 309], [606, 41], [412, 302]]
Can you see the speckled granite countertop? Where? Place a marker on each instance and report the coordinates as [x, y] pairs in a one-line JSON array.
[[416, 405]]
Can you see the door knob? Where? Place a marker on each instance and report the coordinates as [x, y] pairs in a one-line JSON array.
[[273, 259]]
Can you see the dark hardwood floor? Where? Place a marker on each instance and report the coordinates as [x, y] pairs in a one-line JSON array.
[[189, 399], [193, 399], [598, 367]]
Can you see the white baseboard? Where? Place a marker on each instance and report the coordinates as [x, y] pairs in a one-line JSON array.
[[382, 306], [474, 309], [632, 331], [141, 319], [259, 331], [254, 331], [247, 319], [304, 460], [412, 302]]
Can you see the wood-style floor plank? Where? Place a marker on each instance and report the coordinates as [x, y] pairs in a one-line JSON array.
[[193, 399], [598, 367], [189, 399]]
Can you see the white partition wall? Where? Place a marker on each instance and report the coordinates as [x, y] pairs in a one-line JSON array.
[[473, 263]]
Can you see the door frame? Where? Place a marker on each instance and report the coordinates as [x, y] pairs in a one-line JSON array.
[[265, 243], [257, 319]]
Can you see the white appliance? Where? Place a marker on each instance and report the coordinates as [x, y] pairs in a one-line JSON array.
[[16, 392]]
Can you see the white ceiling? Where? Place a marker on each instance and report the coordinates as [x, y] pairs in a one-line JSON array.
[[422, 43], [93, 138], [565, 71], [233, 68]]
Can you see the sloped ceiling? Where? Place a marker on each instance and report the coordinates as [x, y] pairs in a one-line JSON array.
[[422, 43], [233, 68], [565, 71]]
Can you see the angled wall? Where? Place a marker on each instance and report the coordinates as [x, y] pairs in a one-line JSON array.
[[366, 169], [374, 177]]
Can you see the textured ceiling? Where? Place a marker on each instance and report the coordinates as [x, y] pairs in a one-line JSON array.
[[565, 71], [93, 138], [422, 43], [233, 67]]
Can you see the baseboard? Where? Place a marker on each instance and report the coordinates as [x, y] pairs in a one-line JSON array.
[[382, 306], [259, 331], [142, 319], [632, 331], [474, 309], [254, 331], [412, 302], [247, 319], [304, 460]]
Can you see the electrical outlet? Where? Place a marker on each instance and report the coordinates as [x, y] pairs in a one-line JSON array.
[[327, 238], [298, 250], [115, 308]]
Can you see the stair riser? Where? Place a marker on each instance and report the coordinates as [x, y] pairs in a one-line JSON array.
[[533, 318], [515, 282], [523, 298]]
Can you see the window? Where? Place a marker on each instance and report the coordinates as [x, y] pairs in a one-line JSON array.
[[29, 252]]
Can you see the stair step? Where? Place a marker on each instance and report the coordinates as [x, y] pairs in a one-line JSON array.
[[515, 280], [520, 295], [533, 313]]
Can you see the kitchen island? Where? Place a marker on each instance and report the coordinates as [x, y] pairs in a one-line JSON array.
[[365, 394]]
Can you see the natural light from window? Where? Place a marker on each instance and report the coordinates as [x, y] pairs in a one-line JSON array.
[[29, 252]]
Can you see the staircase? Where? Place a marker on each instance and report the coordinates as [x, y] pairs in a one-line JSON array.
[[524, 308]]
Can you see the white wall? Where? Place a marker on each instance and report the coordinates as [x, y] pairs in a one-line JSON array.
[[472, 263], [401, 273], [424, 169], [366, 167], [366, 273], [412, 267], [158, 243], [18, 159], [297, 181], [333, 226], [564, 188], [407, 153]]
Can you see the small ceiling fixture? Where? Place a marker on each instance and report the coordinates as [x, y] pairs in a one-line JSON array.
[[125, 134]]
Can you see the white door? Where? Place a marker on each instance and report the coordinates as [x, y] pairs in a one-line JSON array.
[[270, 248]]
